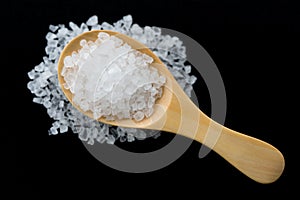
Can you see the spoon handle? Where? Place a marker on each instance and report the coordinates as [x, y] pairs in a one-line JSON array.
[[255, 158]]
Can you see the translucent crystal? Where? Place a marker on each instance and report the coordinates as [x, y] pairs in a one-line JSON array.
[[92, 21], [52, 43], [110, 139], [141, 135], [53, 28], [83, 135], [103, 36], [61, 104], [96, 27], [136, 29], [50, 36], [40, 67], [47, 104], [188, 69], [63, 128], [53, 131], [130, 137], [73, 26], [138, 116], [38, 100], [84, 27], [68, 61], [188, 89], [192, 80], [56, 125], [127, 18], [32, 74], [107, 26]]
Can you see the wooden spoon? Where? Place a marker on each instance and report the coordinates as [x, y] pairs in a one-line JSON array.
[[175, 112]]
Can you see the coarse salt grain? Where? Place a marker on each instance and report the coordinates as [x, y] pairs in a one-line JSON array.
[[109, 79]]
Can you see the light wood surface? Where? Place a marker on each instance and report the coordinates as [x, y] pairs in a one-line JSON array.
[[176, 113]]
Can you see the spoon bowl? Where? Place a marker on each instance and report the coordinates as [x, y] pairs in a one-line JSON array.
[[175, 112]]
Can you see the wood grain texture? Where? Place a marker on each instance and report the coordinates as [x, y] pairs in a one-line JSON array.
[[176, 113]]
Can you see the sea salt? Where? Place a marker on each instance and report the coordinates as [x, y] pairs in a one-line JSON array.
[[92, 21], [44, 77], [109, 69]]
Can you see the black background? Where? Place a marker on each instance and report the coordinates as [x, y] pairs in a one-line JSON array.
[[255, 47]]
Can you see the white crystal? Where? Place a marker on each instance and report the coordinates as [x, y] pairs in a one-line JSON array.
[[138, 116], [188, 69], [83, 135], [192, 80], [51, 36], [37, 100], [53, 131], [136, 29], [106, 26], [92, 21], [63, 128], [127, 18], [103, 36], [53, 28], [73, 26], [110, 139]]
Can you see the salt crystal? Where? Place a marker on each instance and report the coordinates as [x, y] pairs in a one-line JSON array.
[[141, 105], [37, 100], [56, 125], [73, 26], [96, 27], [32, 74], [49, 49], [53, 55], [188, 90], [107, 26], [103, 36], [127, 18], [40, 92], [52, 43], [141, 135], [61, 104], [181, 82], [53, 28], [156, 30], [84, 27], [138, 116], [100, 138], [53, 131], [63, 128], [83, 135], [82, 43], [110, 139], [92, 21], [40, 67], [192, 80], [136, 29], [47, 104], [149, 33], [68, 61], [188, 69], [50, 36], [130, 137], [61, 32]]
